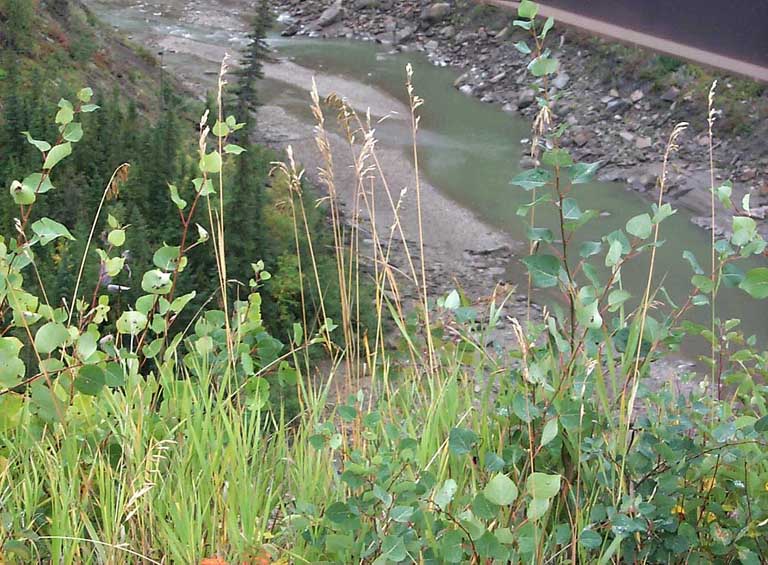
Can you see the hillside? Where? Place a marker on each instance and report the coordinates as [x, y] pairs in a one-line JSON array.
[[62, 44]]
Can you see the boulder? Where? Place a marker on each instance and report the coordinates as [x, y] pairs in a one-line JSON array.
[[526, 98], [436, 12], [330, 16], [404, 34], [561, 80]]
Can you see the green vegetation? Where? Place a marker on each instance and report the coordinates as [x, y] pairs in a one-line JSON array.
[[142, 426]]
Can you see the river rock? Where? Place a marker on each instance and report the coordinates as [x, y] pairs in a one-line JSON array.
[[636, 96], [329, 16], [503, 34], [561, 80], [626, 136], [403, 35], [528, 162], [499, 77], [436, 12], [510, 108], [526, 98], [671, 94], [643, 142]]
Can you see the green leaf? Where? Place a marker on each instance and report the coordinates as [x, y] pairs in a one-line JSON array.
[[484, 508], [489, 547], [557, 158], [744, 230], [450, 546], [661, 214], [590, 539], [724, 192], [461, 441], [392, 549], [131, 322], [42, 146], [38, 183], [179, 303], [180, 202], [85, 95], [755, 283], [582, 173], [87, 344], [220, 129], [90, 380], [501, 490], [571, 210], [233, 149], [204, 188], [347, 413], [548, 25], [550, 430], [540, 234], [537, 507], [56, 154], [50, 337], [703, 283], [156, 282], [613, 256], [691, 258], [401, 514], [640, 226], [732, 276], [527, 9], [590, 248], [524, 24], [339, 513], [616, 298], [48, 230], [542, 486], [116, 238], [88, 108], [65, 115], [11, 367], [73, 132], [544, 270], [542, 65], [762, 425], [167, 257], [445, 494], [523, 48], [22, 194], [533, 178], [211, 163]]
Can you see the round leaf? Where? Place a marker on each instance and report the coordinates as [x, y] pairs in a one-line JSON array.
[[501, 490]]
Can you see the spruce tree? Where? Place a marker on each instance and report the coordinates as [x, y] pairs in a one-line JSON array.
[[252, 62]]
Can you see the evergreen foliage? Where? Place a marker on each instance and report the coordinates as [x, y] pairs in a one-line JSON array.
[[254, 56]]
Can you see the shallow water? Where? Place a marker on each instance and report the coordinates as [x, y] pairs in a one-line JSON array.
[[470, 150]]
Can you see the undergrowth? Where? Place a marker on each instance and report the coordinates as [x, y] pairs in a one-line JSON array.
[[129, 438]]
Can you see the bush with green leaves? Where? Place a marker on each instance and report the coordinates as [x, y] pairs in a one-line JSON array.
[[52, 354], [574, 456]]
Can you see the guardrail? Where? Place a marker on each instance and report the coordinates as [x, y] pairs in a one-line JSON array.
[[731, 36]]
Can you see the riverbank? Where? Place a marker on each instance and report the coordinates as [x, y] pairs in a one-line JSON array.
[[461, 251], [621, 121]]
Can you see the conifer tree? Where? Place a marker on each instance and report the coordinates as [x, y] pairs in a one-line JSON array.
[[252, 63]]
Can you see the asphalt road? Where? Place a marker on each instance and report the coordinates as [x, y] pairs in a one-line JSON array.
[[731, 36]]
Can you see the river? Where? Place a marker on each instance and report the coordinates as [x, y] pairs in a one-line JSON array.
[[469, 150]]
